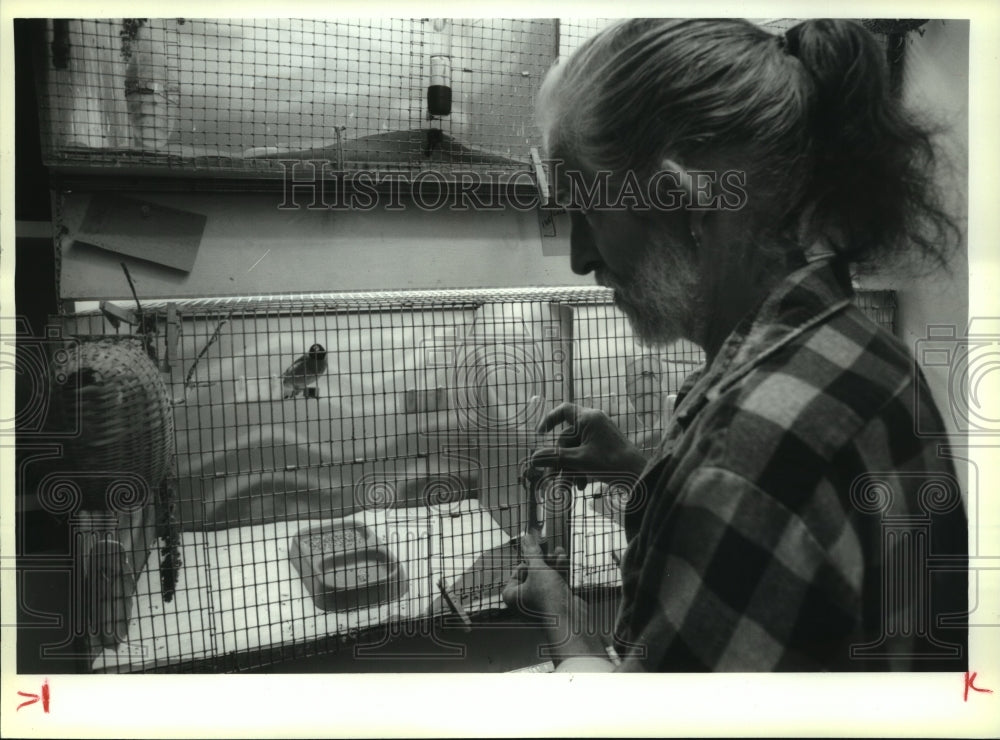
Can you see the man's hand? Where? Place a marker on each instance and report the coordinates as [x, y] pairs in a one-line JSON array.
[[592, 446], [538, 588]]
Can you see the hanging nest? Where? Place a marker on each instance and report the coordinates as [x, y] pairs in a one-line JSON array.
[[113, 392]]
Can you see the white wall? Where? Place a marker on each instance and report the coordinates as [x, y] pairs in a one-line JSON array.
[[249, 246], [936, 80]]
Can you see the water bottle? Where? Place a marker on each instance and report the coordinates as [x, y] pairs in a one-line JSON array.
[[439, 90]]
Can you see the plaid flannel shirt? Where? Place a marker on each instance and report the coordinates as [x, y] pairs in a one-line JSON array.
[[782, 522]]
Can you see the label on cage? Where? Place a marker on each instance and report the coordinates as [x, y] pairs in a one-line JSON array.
[[546, 667]]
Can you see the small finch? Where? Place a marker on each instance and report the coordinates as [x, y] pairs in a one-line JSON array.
[[304, 372]]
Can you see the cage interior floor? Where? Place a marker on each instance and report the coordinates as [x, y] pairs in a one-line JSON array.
[[238, 590]]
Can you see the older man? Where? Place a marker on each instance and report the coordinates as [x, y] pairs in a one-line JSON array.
[[785, 520]]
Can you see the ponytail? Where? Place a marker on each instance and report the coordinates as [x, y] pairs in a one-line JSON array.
[[872, 184], [810, 119]]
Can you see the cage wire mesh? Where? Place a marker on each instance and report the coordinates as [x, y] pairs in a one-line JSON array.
[[239, 96], [343, 461], [244, 96]]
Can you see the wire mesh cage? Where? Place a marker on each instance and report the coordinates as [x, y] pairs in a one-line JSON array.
[[350, 462], [241, 96], [253, 96]]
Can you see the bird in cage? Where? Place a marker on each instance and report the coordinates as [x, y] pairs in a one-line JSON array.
[[302, 375]]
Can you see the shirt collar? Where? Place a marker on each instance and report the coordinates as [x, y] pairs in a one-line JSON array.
[[805, 297]]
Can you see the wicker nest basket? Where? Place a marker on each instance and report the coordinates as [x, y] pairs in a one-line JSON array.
[[122, 408]]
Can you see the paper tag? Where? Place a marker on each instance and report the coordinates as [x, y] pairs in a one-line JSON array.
[[546, 667]]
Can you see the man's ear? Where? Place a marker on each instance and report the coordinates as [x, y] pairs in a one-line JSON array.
[[696, 191], [678, 177]]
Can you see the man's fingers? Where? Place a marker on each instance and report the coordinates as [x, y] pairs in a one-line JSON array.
[[520, 573], [555, 457], [559, 560], [569, 437], [531, 548], [510, 592], [547, 457], [563, 413]]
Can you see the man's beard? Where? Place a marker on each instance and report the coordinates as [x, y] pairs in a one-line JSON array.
[[662, 299]]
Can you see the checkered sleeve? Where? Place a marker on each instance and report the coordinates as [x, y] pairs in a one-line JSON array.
[[732, 580]]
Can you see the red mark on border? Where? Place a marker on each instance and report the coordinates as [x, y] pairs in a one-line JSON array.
[[33, 698], [970, 679]]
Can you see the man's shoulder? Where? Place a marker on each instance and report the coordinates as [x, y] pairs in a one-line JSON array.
[[846, 366], [798, 407]]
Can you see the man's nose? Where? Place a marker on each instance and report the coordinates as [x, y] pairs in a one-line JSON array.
[[584, 257]]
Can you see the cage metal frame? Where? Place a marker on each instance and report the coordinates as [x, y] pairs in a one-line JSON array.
[[604, 322], [369, 69]]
